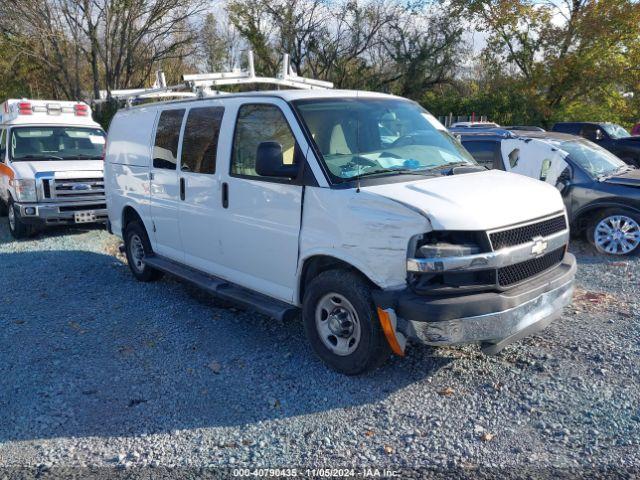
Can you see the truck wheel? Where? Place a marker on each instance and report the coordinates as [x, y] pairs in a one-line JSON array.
[[137, 245], [341, 323], [17, 227], [615, 232]]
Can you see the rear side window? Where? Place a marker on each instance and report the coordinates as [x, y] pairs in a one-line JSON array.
[[483, 152], [165, 148], [200, 140], [259, 123]]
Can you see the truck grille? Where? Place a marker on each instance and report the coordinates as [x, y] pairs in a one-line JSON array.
[[524, 234], [74, 188], [513, 274]]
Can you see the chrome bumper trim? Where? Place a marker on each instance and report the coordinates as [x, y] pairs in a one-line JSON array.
[[51, 211], [490, 260]]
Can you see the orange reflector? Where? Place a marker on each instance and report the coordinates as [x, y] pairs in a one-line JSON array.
[[389, 332]]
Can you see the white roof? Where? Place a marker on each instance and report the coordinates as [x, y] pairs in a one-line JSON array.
[[45, 112], [287, 95]]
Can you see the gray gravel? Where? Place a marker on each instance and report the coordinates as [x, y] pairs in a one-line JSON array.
[[98, 370]]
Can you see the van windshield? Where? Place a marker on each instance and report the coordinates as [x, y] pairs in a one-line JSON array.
[[367, 136], [56, 143]]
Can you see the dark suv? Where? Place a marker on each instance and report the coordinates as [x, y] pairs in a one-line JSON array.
[[600, 192], [608, 135]]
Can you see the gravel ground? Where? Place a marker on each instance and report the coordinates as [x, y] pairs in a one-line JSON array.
[[98, 370]]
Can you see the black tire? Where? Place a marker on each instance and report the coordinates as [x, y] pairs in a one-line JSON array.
[[372, 349], [3, 208], [18, 229], [135, 234], [604, 214]]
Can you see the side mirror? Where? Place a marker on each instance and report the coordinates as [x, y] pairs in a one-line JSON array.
[[269, 162]]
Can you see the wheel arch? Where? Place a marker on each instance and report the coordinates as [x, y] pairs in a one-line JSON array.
[[315, 264], [583, 216]]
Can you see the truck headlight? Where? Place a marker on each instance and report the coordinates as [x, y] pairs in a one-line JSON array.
[[444, 250], [25, 190], [440, 244]]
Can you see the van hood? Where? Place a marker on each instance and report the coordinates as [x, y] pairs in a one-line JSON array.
[[475, 201], [61, 168]]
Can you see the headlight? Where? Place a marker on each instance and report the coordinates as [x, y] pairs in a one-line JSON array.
[[25, 190], [441, 244], [443, 250]]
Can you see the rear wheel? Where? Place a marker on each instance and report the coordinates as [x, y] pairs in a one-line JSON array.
[[17, 227], [615, 232], [137, 247], [341, 323]]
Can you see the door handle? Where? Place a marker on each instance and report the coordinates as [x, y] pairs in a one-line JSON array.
[[182, 192], [225, 195], [150, 175]]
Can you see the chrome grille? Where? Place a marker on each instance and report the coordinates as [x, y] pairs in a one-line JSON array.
[[76, 188], [513, 274], [526, 233]]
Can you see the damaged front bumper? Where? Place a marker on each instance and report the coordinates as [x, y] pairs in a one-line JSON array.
[[490, 318]]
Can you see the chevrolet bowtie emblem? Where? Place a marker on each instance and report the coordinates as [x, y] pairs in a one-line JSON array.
[[539, 246]]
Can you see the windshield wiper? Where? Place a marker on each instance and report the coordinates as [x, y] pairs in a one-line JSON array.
[[452, 165], [81, 157], [401, 171], [38, 157]]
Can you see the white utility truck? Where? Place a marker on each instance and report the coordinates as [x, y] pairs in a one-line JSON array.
[[358, 210], [51, 165]]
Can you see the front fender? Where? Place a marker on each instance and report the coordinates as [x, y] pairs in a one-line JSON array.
[[365, 230]]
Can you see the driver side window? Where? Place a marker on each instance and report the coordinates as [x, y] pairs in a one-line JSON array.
[[259, 123]]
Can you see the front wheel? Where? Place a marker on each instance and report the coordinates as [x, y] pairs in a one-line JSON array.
[[137, 247], [615, 232], [341, 323], [17, 227]]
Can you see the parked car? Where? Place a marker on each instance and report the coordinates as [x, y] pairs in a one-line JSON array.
[[51, 164], [357, 210], [608, 135], [600, 191], [526, 128], [474, 125]]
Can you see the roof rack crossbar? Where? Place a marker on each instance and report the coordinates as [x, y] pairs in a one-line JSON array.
[[200, 84], [238, 77]]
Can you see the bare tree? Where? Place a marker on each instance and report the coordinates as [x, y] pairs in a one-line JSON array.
[[118, 43]]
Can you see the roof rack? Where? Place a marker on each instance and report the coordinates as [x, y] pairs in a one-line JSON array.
[[200, 84]]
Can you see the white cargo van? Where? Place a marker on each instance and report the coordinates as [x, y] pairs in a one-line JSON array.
[[357, 210], [51, 165]]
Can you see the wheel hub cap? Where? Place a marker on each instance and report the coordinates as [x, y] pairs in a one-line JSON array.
[[137, 252], [617, 235], [337, 324]]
